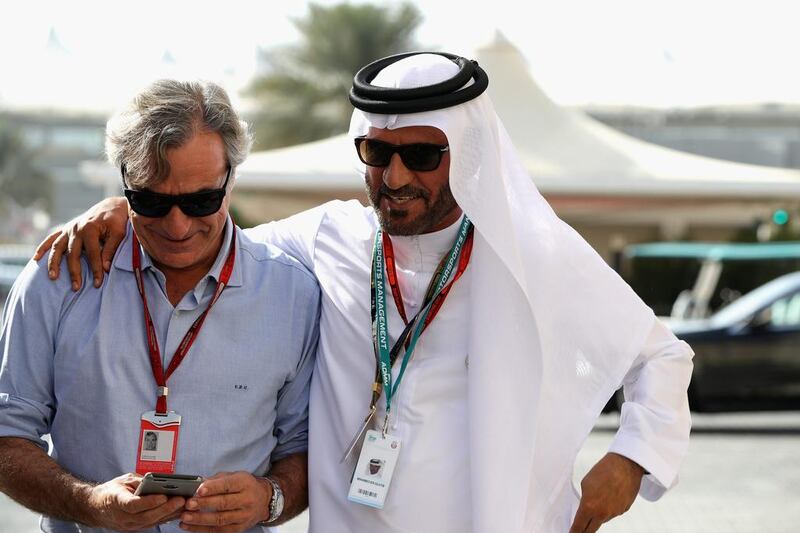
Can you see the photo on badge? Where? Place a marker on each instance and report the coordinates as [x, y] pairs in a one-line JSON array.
[[374, 467], [150, 441], [157, 445]]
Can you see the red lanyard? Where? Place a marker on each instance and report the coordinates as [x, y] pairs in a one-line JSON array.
[[183, 348], [391, 275]]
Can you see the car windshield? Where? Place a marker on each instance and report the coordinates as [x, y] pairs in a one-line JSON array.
[[756, 300], [697, 279]]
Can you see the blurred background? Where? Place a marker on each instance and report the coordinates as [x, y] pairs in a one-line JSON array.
[[666, 132]]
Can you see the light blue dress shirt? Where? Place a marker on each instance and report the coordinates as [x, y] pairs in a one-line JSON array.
[[76, 366]]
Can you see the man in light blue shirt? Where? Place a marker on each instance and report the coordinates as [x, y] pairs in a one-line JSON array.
[[194, 316]]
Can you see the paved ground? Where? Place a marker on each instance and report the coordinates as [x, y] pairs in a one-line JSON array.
[[742, 475]]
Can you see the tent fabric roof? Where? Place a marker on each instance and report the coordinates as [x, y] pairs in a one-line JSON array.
[[565, 151], [320, 165]]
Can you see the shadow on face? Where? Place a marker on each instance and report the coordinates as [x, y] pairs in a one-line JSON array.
[[176, 242], [407, 201]]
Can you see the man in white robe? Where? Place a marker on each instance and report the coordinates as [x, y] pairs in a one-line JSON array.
[[507, 382]]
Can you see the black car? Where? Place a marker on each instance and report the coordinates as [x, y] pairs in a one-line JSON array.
[[747, 354]]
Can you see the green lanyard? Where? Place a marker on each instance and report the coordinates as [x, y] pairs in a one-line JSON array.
[[380, 327]]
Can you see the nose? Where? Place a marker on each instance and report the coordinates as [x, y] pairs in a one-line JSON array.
[[395, 174], [176, 224]]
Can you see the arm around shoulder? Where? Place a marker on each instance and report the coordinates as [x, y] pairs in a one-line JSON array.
[[97, 233], [297, 235]]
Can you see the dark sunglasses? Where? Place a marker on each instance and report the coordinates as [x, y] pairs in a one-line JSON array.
[[417, 156], [195, 204]]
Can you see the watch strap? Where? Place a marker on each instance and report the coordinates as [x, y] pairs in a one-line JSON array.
[[275, 502]]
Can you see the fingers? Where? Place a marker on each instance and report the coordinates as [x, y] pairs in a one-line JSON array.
[[213, 521], [109, 247], [141, 504], [226, 502], [222, 483], [582, 520], [163, 513], [107, 219], [589, 527], [224, 492], [116, 507], [44, 246], [130, 481], [222, 502], [138, 513], [92, 249], [607, 491], [74, 262], [174, 516], [57, 249]]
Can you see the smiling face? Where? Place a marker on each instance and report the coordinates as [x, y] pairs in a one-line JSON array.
[[178, 243], [410, 202]]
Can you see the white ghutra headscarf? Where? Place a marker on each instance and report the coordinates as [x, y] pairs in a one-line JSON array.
[[553, 328]]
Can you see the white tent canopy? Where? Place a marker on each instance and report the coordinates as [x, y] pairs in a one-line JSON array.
[[566, 152], [320, 165]]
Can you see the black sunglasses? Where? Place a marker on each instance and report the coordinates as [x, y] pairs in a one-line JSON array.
[[195, 204], [417, 156]]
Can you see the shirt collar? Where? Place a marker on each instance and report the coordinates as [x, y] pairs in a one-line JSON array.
[[124, 257], [425, 248]]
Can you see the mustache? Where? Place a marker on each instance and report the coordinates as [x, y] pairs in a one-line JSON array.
[[404, 191]]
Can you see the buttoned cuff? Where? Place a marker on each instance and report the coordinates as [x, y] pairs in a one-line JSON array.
[[660, 476], [24, 419]]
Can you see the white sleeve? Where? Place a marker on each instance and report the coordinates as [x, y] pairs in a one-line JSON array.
[[655, 420], [295, 235]]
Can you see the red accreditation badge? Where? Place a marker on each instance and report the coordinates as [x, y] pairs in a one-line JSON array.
[[158, 443]]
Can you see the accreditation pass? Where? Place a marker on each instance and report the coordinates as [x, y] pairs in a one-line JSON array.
[[374, 469]]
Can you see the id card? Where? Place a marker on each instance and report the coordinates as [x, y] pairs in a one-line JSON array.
[[374, 469], [158, 443]]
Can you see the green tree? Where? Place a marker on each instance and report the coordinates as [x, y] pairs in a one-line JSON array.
[[303, 96], [19, 177]]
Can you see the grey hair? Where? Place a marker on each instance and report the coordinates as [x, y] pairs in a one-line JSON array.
[[165, 115]]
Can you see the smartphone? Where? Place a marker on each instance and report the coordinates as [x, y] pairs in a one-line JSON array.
[[169, 484]]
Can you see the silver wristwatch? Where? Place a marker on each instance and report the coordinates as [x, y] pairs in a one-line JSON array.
[[276, 502]]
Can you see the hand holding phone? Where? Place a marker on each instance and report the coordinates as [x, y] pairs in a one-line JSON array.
[[169, 484], [115, 508]]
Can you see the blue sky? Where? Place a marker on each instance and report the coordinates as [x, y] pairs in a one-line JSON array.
[[662, 53]]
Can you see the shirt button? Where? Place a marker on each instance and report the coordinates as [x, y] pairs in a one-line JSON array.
[[466, 361]]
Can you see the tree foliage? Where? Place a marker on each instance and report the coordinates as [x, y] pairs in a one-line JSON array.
[[20, 179], [303, 95]]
